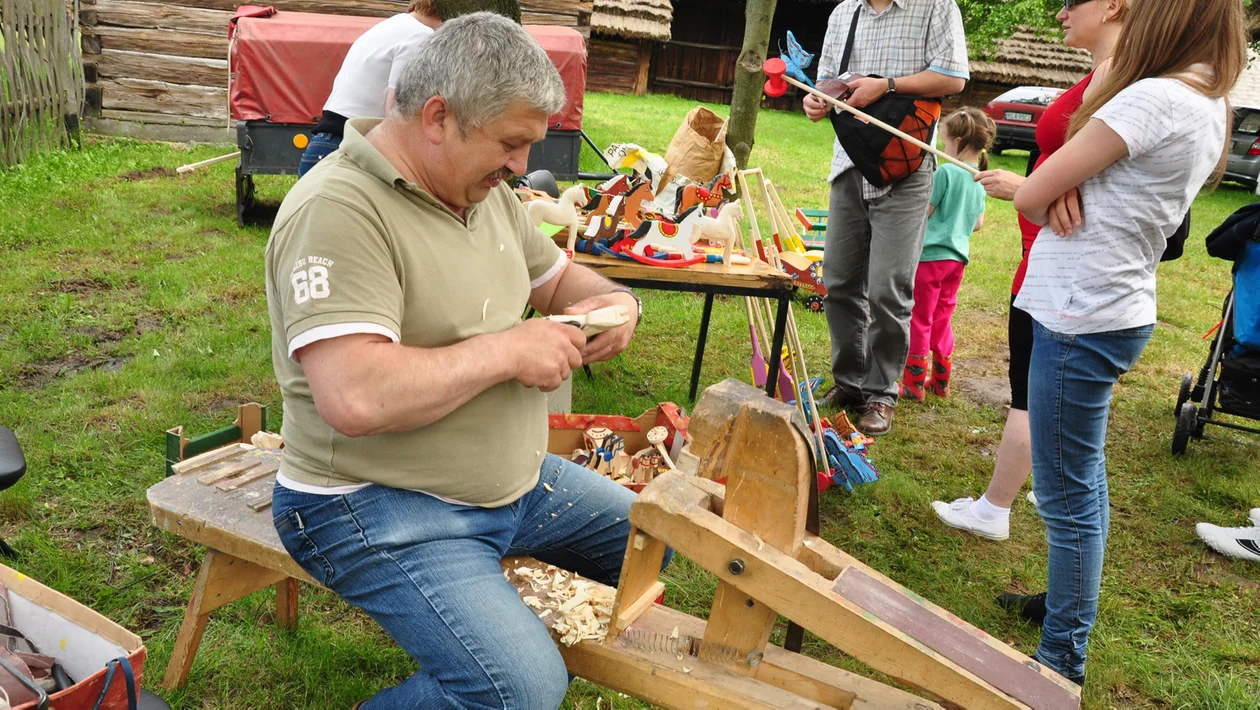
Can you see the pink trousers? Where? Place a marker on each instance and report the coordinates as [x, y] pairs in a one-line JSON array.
[[935, 297]]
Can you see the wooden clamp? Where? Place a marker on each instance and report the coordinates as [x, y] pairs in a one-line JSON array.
[[777, 82], [751, 534]]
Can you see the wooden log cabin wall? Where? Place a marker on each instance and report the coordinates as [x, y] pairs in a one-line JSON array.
[[159, 69], [698, 62]]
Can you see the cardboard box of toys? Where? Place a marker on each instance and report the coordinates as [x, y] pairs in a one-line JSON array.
[[630, 451]]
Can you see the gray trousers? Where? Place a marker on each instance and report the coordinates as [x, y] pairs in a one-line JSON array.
[[872, 252]]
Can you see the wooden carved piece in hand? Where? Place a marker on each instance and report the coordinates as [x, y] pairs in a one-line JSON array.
[[597, 321]]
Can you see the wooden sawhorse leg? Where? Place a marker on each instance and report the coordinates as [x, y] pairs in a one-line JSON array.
[[224, 579]]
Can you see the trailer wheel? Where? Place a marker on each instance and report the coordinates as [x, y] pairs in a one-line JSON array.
[[244, 195], [1186, 421]]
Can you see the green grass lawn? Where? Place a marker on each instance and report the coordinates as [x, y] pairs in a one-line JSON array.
[[131, 302]]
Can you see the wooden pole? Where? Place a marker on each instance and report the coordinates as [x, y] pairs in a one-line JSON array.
[[184, 169], [871, 119], [798, 245], [751, 213]]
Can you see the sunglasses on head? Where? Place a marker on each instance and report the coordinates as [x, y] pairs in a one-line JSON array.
[[1069, 4]]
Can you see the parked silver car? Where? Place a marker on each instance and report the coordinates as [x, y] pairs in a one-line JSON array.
[[1243, 164]]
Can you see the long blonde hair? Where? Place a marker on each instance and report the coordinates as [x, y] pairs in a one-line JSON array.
[[1167, 38]]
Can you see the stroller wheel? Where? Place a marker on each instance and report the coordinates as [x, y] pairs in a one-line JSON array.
[[1187, 420], [1183, 396]]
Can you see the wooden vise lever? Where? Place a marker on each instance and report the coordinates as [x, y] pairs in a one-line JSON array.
[[751, 534], [777, 82]]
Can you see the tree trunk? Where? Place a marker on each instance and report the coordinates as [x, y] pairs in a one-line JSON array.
[[746, 99]]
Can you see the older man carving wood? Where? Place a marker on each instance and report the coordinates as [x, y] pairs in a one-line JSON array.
[[414, 414]]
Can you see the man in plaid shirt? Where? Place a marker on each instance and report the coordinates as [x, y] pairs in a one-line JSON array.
[[875, 235]]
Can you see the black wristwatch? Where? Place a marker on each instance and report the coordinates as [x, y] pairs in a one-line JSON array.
[[639, 318], [892, 85]]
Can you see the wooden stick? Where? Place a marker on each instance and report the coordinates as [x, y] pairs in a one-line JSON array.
[[751, 213], [794, 344], [183, 169], [798, 244], [756, 324], [656, 437], [235, 469], [782, 225], [757, 305], [871, 119], [212, 456], [232, 484]]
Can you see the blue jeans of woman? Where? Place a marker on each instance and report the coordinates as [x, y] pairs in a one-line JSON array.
[[1069, 398], [320, 146], [428, 572]]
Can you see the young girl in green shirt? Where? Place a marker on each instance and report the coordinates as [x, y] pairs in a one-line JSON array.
[[956, 210]]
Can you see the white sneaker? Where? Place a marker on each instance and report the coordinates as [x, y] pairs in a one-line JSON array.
[[1255, 517], [1032, 498], [1243, 543], [958, 515]]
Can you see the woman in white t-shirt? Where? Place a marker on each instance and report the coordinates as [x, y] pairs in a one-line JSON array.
[[365, 83], [1140, 149]]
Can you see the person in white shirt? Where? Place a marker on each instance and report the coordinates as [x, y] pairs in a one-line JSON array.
[[1139, 151], [364, 87]]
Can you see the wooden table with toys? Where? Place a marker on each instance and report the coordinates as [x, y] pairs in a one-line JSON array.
[[737, 505], [617, 230]]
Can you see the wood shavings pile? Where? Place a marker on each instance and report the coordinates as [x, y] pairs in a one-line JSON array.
[[576, 608]]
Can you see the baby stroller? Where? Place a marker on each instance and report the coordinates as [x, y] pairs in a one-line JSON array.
[[1229, 382]]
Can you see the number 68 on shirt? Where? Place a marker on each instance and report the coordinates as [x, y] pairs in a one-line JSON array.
[[309, 283]]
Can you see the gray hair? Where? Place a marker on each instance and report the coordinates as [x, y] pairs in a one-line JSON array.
[[482, 64]]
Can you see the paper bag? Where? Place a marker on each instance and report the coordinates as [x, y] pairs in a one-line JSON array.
[[696, 150]]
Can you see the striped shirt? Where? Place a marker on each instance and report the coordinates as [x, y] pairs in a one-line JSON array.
[[908, 37], [1101, 278]]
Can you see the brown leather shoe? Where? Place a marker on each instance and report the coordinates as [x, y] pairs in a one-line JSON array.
[[876, 419], [836, 398]]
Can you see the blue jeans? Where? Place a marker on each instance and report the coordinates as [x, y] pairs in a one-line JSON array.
[[320, 146], [1069, 398], [428, 572]]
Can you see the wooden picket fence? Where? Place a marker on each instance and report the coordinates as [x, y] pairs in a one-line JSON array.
[[41, 76]]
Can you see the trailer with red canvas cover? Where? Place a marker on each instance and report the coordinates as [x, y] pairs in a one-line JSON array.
[[282, 66]]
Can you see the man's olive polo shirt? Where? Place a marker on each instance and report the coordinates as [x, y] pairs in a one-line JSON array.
[[357, 249]]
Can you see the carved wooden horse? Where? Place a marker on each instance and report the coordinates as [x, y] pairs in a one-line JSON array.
[[562, 213], [663, 233], [710, 195], [724, 230]]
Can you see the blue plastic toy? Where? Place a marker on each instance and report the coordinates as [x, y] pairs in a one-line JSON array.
[[796, 59]]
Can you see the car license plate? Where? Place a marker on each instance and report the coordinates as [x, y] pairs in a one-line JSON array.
[[1019, 116]]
